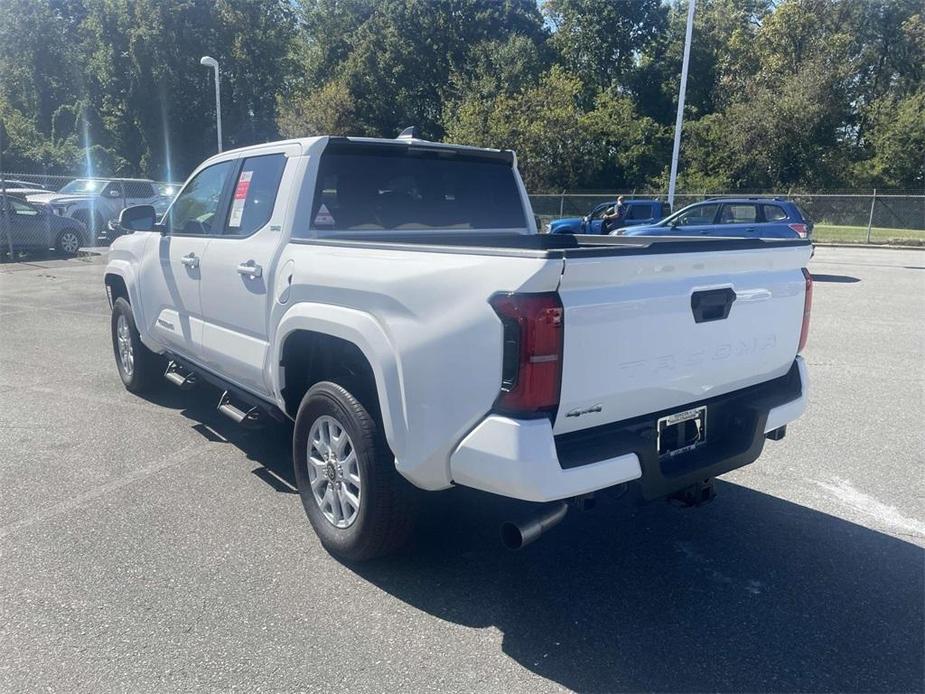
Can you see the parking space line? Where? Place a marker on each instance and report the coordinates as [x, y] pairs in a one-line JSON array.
[[55, 510]]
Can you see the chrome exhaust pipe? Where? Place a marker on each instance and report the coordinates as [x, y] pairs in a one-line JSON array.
[[515, 535]]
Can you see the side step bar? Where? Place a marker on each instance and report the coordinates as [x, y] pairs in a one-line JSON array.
[[180, 377], [238, 405], [227, 407]]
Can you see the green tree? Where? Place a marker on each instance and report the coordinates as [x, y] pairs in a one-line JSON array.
[[598, 40]]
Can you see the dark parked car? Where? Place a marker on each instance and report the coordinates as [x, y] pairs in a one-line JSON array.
[[637, 212], [35, 227], [747, 217]]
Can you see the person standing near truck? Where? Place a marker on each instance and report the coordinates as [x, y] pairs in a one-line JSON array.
[[613, 218]]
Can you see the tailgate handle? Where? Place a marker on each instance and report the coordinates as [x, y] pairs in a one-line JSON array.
[[712, 304]]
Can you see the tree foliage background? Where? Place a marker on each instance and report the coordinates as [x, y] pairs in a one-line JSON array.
[[782, 94]]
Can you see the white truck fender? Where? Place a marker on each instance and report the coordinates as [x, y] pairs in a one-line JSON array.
[[123, 268], [368, 335]]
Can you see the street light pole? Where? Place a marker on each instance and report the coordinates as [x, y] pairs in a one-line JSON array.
[[213, 63], [677, 124], [4, 210]]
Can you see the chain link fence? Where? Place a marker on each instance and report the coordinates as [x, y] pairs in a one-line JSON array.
[[54, 183], [873, 216]]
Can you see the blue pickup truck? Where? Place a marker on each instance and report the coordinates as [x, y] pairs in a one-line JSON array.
[[637, 212]]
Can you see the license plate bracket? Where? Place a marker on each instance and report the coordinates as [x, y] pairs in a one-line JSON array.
[[681, 432]]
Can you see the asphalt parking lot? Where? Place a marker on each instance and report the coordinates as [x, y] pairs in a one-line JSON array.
[[150, 545]]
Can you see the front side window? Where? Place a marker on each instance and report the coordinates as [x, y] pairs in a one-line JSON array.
[[599, 211], [403, 188], [23, 209], [196, 208], [255, 194], [702, 214], [738, 214]]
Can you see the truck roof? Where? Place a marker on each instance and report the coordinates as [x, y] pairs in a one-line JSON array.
[[306, 143]]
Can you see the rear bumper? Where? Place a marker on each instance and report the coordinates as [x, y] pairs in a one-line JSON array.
[[522, 459]]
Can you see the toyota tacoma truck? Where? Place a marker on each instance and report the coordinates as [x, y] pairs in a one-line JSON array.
[[394, 300]]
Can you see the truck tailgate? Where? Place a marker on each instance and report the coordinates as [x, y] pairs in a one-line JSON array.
[[651, 332]]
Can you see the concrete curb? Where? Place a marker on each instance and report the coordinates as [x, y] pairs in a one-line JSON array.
[[891, 246]]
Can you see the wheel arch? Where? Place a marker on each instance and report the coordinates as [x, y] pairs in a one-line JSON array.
[[317, 342]]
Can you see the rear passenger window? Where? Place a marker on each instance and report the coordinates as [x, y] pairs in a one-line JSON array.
[[773, 213], [738, 214], [138, 189], [255, 194], [639, 212]]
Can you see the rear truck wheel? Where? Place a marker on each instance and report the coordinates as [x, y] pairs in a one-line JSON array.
[[68, 242], [139, 367], [357, 503]]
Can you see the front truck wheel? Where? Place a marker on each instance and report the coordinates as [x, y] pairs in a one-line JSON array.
[[139, 367], [357, 503]]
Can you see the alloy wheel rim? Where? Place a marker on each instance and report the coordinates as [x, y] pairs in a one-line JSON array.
[[124, 343], [69, 242], [334, 472]]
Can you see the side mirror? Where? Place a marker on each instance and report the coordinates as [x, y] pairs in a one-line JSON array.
[[585, 219], [138, 218]]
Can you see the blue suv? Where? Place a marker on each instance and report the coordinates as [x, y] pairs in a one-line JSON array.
[[637, 212], [747, 217]]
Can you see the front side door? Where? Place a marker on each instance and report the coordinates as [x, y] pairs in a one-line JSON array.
[[172, 268], [595, 218], [696, 220], [237, 275]]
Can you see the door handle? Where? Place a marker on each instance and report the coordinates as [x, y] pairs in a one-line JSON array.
[[250, 269], [190, 260]]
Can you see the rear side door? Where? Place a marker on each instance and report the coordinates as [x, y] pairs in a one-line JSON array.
[[172, 267], [737, 219], [640, 213], [238, 276]]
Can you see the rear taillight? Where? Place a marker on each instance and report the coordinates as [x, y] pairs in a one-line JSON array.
[[801, 229], [531, 371], [807, 309]]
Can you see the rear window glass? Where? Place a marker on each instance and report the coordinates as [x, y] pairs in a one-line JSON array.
[[774, 213], [802, 211], [406, 189]]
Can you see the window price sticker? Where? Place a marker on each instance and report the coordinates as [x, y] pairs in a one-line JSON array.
[[240, 197]]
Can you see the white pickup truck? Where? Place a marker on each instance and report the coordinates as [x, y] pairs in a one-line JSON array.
[[394, 299]]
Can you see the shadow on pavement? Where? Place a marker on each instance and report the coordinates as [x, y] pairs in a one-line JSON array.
[[836, 279], [749, 593]]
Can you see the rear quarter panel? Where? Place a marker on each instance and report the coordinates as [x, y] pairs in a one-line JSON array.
[[425, 325]]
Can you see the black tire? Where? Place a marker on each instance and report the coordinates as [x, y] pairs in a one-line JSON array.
[[388, 502], [146, 366], [69, 242]]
